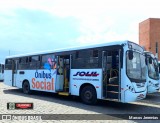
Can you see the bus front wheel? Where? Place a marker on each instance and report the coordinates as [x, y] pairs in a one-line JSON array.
[[26, 87], [89, 95]]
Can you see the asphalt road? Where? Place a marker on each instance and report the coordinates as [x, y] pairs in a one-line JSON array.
[[48, 103]]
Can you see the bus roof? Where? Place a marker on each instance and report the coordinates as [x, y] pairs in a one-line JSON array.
[[71, 48]]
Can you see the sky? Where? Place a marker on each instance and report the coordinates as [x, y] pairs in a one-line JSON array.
[[37, 25]]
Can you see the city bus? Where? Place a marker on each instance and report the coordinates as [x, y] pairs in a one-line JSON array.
[[152, 74], [113, 71], [1, 71]]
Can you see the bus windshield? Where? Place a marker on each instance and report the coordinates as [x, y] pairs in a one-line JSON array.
[[153, 69], [136, 68]]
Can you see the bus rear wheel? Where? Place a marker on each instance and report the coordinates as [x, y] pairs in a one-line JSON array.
[[89, 95], [26, 87]]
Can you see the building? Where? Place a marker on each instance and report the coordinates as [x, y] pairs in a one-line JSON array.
[[149, 34]]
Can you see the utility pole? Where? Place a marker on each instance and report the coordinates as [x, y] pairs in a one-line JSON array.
[[9, 52]]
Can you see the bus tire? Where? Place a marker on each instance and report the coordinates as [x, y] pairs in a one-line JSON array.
[[26, 87], [89, 95]]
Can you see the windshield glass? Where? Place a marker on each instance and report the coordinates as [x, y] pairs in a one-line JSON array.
[[136, 67], [153, 69]]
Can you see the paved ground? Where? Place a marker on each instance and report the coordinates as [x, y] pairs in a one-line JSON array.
[[48, 103]]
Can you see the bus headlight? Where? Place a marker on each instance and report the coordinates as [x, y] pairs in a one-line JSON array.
[[131, 89]]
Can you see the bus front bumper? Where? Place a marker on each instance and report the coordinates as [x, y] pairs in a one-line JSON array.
[[132, 96]]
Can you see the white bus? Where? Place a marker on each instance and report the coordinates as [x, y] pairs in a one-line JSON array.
[[1, 71], [152, 75], [111, 71]]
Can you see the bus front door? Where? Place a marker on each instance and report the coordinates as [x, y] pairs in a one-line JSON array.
[[14, 71], [111, 74]]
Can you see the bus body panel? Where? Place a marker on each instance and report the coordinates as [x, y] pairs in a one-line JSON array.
[[83, 76], [153, 85], [41, 80], [1, 76], [8, 77], [132, 97]]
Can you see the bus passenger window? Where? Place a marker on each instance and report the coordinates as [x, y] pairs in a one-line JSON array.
[[95, 53], [34, 62], [48, 62]]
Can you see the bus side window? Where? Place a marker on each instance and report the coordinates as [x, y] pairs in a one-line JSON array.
[[95, 53], [48, 62], [77, 55], [86, 59], [8, 64], [34, 62], [23, 63]]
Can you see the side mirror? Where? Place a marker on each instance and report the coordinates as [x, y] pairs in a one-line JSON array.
[[150, 60], [146, 61], [130, 54]]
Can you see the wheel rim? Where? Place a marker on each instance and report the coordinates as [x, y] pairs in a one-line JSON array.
[[88, 95]]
